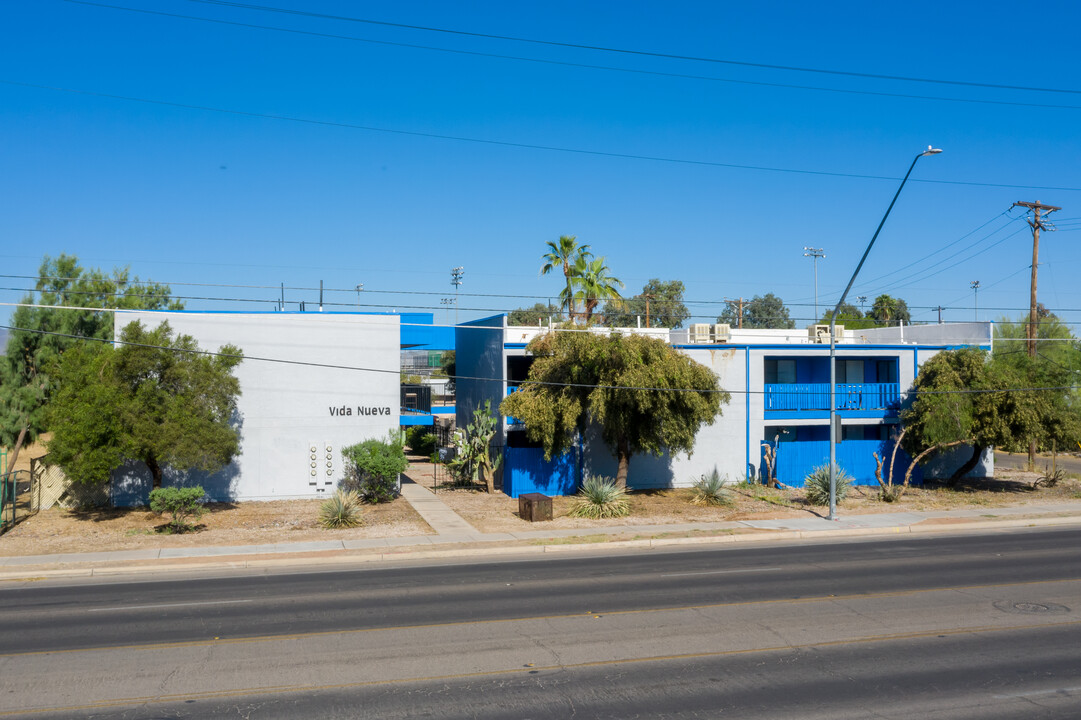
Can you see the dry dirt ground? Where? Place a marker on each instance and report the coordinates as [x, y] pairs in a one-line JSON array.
[[499, 513], [251, 523]]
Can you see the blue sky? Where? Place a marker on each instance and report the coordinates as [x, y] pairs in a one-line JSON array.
[[375, 192]]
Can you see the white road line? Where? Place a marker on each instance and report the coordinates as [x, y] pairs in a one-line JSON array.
[[1036, 693], [720, 572], [169, 605]]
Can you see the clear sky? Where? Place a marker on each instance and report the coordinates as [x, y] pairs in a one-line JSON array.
[[354, 152]]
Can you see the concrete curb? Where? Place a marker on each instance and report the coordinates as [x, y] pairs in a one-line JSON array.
[[243, 561]]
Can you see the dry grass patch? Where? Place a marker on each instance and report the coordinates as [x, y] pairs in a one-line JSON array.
[[249, 523]]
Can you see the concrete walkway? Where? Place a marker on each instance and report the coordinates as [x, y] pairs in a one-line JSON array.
[[454, 537]]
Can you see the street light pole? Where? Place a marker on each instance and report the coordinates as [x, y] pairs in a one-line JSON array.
[[815, 253], [833, 336]]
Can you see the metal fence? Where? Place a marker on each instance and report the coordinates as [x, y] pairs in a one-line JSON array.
[[19, 498]]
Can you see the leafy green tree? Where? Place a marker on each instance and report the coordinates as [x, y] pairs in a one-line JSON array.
[[565, 255], [889, 310], [645, 396], [156, 399], [539, 313], [850, 316], [448, 363], [660, 304], [966, 397], [45, 333], [762, 311], [595, 286]]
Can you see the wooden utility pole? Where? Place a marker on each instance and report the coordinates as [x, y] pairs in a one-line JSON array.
[[739, 314], [1036, 224]]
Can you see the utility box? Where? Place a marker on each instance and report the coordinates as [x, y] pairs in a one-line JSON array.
[[534, 507]]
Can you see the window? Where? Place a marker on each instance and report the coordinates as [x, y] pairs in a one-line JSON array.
[[850, 371], [887, 371], [780, 371]]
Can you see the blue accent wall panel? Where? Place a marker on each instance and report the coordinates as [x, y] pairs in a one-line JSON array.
[[796, 460], [526, 471]]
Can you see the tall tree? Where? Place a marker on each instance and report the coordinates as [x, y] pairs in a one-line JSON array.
[[565, 255], [965, 396], [645, 395], [595, 286], [45, 332], [762, 311], [660, 304], [155, 399], [850, 316], [888, 310], [539, 313]]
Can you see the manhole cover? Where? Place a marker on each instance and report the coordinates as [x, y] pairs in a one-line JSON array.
[[1030, 608]]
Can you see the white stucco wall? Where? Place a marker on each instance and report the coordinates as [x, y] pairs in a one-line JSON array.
[[285, 408]]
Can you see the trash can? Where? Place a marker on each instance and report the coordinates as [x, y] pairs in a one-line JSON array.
[[534, 507]]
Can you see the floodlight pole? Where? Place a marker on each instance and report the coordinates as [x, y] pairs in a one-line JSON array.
[[833, 337]]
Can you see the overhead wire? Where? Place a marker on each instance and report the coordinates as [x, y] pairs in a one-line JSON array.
[[387, 371], [564, 63], [518, 145], [635, 52]]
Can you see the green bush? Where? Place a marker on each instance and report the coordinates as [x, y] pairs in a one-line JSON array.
[[340, 510], [182, 503], [600, 497], [372, 468], [817, 485], [710, 490], [420, 440]]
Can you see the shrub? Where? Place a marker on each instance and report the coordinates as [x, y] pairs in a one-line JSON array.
[[600, 497], [420, 441], [340, 510], [710, 490], [817, 485], [372, 468], [183, 503]]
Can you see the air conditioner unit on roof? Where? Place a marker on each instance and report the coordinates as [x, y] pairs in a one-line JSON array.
[[722, 332], [700, 333], [821, 333]]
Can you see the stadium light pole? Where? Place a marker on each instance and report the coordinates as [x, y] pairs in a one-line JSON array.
[[833, 336]]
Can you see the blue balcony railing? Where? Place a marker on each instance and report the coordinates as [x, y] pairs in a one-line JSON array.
[[794, 397]]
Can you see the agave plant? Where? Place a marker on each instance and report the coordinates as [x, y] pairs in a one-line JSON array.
[[340, 510], [817, 485], [710, 490], [600, 497]]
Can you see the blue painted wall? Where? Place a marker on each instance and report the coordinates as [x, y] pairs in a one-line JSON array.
[[526, 471], [796, 460]]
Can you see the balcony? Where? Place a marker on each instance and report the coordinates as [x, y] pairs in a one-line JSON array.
[[812, 400]]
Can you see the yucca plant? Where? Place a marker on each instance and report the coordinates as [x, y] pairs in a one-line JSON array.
[[600, 497], [340, 510], [817, 485], [710, 490]]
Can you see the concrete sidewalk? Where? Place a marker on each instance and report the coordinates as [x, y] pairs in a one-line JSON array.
[[456, 538]]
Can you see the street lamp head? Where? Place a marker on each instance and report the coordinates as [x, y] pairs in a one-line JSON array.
[[931, 151]]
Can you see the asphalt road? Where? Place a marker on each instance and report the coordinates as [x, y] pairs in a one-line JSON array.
[[1019, 461], [948, 627]]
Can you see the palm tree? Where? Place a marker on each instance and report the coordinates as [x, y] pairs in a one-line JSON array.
[[595, 285], [565, 255]]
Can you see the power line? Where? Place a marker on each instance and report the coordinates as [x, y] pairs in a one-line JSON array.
[[642, 53], [564, 63], [519, 145], [334, 366]]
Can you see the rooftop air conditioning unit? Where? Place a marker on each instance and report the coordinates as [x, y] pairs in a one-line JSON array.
[[821, 333], [700, 333], [722, 332]]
